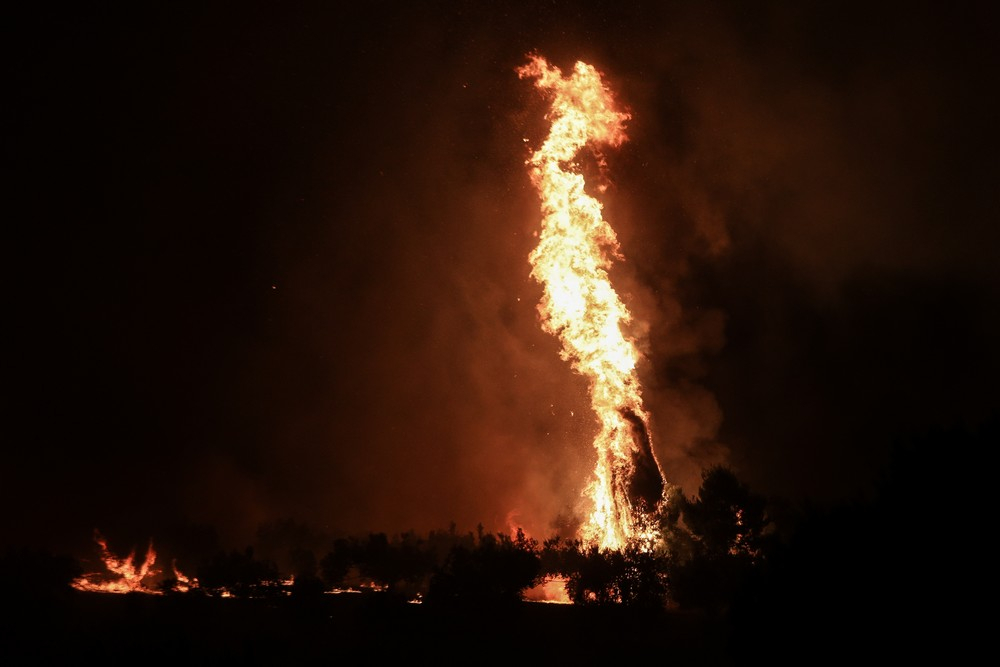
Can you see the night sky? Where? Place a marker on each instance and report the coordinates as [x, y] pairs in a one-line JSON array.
[[272, 263]]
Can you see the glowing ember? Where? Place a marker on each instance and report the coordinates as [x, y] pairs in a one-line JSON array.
[[575, 249], [125, 577]]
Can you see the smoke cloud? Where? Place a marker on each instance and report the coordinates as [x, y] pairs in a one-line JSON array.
[[274, 264]]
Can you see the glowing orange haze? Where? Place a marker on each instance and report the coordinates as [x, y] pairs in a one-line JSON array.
[[575, 249]]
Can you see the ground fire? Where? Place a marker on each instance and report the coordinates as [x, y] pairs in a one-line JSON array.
[[122, 575], [125, 575], [579, 305]]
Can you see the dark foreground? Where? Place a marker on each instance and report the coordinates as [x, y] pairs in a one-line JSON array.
[[190, 629]]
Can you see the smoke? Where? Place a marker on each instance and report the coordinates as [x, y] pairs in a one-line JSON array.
[[800, 202], [274, 264]]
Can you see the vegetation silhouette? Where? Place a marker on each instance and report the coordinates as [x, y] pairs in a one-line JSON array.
[[494, 572], [714, 541], [890, 575], [873, 573], [240, 574], [632, 577]]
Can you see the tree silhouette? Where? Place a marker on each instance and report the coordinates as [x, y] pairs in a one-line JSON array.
[[633, 577], [401, 565], [888, 573], [642, 579], [726, 518], [714, 540], [591, 574], [307, 586], [239, 574], [335, 566], [495, 572]]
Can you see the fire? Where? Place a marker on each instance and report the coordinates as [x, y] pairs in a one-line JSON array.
[[579, 305], [129, 578], [184, 583], [551, 591]]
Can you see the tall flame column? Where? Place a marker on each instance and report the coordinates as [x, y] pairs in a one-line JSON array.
[[579, 305]]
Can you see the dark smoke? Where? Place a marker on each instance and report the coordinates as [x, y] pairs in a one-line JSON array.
[[645, 487]]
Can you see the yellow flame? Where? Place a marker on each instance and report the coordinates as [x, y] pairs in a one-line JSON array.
[[183, 583], [130, 578], [575, 250], [550, 591]]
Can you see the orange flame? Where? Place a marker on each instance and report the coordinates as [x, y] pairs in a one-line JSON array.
[[575, 250], [184, 583], [129, 577], [551, 591]]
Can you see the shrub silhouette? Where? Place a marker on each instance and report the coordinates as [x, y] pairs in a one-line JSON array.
[[494, 572], [714, 541], [240, 574]]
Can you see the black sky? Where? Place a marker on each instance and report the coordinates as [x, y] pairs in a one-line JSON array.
[[268, 263]]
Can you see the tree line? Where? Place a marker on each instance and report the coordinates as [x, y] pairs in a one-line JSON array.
[[725, 550], [701, 548]]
